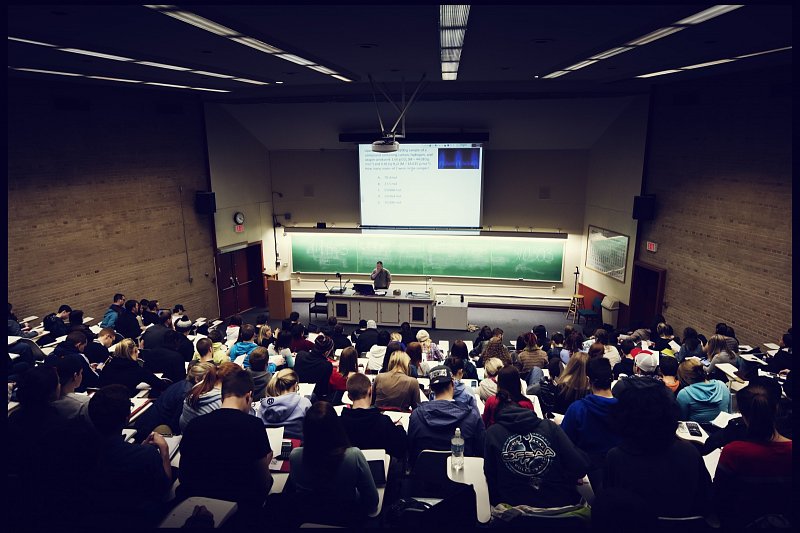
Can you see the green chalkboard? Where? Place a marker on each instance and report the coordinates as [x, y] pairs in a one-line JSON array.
[[528, 258]]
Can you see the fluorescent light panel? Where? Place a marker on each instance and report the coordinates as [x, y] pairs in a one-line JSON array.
[[708, 14], [123, 80], [555, 74], [612, 52], [449, 66], [660, 73], [655, 35], [295, 59], [582, 64], [449, 76], [214, 74], [28, 41], [258, 45], [337, 76], [254, 82], [451, 54], [166, 85], [452, 38], [453, 16], [708, 64], [209, 90], [764, 52], [40, 71], [202, 23], [320, 68], [162, 65], [95, 54]]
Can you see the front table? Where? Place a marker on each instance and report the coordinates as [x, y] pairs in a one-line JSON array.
[[389, 310]]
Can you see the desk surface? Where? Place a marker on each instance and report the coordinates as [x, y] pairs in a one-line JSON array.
[[472, 474], [350, 295]]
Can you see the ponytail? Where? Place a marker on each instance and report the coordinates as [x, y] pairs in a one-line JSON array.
[[758, 403], [209, 380]]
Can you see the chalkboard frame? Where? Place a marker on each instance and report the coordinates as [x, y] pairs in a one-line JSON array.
[[363, 269]]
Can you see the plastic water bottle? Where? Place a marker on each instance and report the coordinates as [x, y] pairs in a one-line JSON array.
[[457, 450]]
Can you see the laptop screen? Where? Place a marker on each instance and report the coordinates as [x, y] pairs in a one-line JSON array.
[[363, 288]]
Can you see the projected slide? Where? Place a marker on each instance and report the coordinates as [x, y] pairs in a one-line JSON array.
[[422, 185]]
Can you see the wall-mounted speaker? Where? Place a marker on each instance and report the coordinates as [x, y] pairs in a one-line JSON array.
[[644, 207], [205, 203]]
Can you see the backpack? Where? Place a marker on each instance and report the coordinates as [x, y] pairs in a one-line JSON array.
[[547, 395]]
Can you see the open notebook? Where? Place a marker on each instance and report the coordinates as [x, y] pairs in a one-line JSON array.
[[377, 465]]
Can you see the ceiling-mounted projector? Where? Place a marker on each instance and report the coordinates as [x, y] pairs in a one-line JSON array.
[[385, 146]]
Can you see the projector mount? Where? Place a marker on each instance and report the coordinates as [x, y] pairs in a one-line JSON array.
[[388, 141]]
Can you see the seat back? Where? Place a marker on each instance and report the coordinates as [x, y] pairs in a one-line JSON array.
[[597, 304], [320, 297]]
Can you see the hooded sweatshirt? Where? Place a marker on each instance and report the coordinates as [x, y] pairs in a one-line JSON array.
[[432, 424], [587, 424], [287, 411], [462, 394], [206, 402], [530, 461], [375, 357], [702, 402], [487, 388]]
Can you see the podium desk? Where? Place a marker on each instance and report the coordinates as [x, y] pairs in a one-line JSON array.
[[389, 310], [279, 293]]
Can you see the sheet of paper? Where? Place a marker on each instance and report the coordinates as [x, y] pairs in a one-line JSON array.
[[772, 352], [772, 346], [711, 460], [275, 464], [722, 419], [12, 339], [275, 436], [30, 318], [752, 358], [675, 346], [745, 348]]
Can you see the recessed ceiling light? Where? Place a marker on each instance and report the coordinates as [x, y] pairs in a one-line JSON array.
[[209, 90], [655, 35], [453, 16], [708, 64], [106, 78], [449, 66], [161, 65], [337, 76], [555, 74], [295, 59], [214, 74], [40, 71], [320, 68], [254, 82], [449, 76], [28, 41], [764, 52], [451, 54], [708, 14], [257, 45], [660, 73], [582, 64], [95, 54], [612, 52], [202, 23], [280, 82], [452, 38], [167, 85]]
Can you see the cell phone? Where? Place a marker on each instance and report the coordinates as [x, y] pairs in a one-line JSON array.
[[694, 429], [286, 449]]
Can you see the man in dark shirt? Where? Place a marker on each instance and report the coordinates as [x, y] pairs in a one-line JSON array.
[[154, 335], [241, 472], [166, 359], [314, 366], [127, 324], [366, 426], [368, 338], [340, 340]]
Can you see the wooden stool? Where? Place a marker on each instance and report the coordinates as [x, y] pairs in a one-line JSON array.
[[575, 305]]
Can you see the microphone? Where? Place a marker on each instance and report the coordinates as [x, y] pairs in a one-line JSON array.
[[338, 275]]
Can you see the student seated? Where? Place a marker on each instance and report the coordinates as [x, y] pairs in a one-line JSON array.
[[130, 482], [395, 388], [459, 349], [315, 366], [218, 347], [530, 461], [377, 353], [347, 366], [245, 344], [258, 371], [96, 351], [754, 475], [283, 406], [668, 370], [226, 454], [124, 369], [166, 359], [340, 340], [463, 392], [651, 459], [74, 345], [432, 424], [206, 395], [701, 399], [70, 373], [488, 385], [327, 469], [508, 390]]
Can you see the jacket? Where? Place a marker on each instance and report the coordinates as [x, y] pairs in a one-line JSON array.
[[375, 357], [432, 424], [54, 325], [128, 373], [366, 340], [66, 349], [110, 318], [487, 388], [530, 461], [369, 429], [313, 367], [462, 394], [206, 402], [587, 424], [702, 402], [127, 325], [286, 411], [242, 348]]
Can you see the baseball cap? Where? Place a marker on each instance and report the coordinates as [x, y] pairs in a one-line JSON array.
[[647, 361], [183, 324], [371, 324], [440, 374], [323, 344]]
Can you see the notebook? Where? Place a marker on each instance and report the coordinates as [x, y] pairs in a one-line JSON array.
[[377, 465]]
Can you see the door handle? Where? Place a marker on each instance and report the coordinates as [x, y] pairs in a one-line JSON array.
[[233, 282]]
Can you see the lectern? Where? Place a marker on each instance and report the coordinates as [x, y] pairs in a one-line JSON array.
[[279, 293]]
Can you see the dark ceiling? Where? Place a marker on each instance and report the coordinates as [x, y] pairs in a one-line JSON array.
[[505, 47]]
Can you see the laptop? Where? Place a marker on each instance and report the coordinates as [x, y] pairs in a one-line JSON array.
[[365, 289]]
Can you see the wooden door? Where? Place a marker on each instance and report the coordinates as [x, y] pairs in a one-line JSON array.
[[647, 294], [226, 285], [240, 280]]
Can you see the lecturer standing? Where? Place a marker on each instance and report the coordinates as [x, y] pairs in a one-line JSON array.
[[381, 276]]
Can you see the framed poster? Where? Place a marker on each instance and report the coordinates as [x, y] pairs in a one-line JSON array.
[[607, 252]]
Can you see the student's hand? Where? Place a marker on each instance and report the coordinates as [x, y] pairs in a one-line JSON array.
[[201, 518], [157, 440]]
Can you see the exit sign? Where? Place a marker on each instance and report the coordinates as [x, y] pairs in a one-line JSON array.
[[238, 228], [652, 246]]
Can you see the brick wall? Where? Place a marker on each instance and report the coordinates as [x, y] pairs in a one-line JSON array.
[[101, 185], [720, 165]]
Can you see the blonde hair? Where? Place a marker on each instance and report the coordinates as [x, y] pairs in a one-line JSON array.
[[395, 336], [125, 348], [716, 344], [691, 371], [197, 372], [399, 360], [262, 333], [282, 382], [492, 366]]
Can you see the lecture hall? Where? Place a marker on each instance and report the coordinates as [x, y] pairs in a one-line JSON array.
[[544, 252]]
